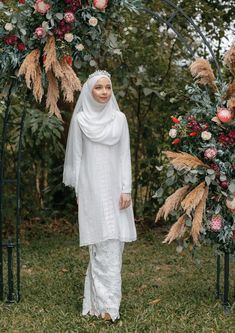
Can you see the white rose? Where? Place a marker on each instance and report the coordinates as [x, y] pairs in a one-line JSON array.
[[206, 135], [9, 26], [173, 133], [79, 47], [93, 21], [68, 37]]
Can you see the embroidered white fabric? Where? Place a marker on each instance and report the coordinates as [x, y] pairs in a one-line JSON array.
[[102, 292]]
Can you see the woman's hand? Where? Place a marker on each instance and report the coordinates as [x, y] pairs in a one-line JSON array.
[[125, 200]]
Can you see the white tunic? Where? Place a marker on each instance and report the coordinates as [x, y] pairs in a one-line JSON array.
[[104, 172]]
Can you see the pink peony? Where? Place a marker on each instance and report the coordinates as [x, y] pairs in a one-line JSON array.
[[100, 4], [40, 32], [210, 153], [69, 17], [216, 223], [41, 7]]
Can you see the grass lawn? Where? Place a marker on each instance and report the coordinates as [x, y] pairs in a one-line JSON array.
[[182, 291]]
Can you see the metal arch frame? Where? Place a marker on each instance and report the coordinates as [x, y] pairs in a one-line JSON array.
[[178, 11]]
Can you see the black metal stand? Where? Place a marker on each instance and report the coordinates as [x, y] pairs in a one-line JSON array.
[[225, 296], [12, 186], [10, 295]]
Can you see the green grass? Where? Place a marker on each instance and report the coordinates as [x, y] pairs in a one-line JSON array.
[[52, 290]]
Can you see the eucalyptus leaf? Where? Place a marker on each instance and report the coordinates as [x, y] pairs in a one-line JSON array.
[[232, 187], [207, 180], [23, 31]]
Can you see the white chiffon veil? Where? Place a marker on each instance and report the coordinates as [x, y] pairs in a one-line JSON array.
[[100, 122]]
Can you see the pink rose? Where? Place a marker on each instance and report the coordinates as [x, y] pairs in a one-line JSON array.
[[210, 153], [40, 32], [100, 4], [93, 21], [41, 7], [69, 17]]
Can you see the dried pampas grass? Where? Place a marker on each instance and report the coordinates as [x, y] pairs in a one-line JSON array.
[[55, 71], [177, 230], [172, 202], [30, 68], [193, 198], [201, 70], [69, 82], [52, 95], [231, 103], [51, 62], [183, 160], [230, 91], [229, 59], [198, 216]]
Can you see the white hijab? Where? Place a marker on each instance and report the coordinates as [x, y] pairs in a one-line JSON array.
[[100, 122]]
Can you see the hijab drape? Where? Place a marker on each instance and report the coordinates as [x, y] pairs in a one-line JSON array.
[[100, 122]]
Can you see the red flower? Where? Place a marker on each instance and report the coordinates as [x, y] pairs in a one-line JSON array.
[[176, 141], [231, 134], [175, 120], [224, 184], [193, 134], [22, 2], [11, 40], [21, 47], [68, 60]]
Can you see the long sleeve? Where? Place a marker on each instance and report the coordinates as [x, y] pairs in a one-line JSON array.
[[73, 155], [78, 158], [125, 159]]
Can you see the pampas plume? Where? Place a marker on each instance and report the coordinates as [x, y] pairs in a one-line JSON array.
[[230, 91], [193, 198], [52, 95], [229, 59], [183, 160], [177, 230], [172, 202], [51, 62], [198, 215], [69, 82], [231, 103], [201, 70], [30, 68]]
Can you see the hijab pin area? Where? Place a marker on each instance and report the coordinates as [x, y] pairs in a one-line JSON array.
[[99, 72]]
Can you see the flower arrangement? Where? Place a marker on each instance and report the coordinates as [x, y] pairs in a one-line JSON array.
[[44, 38], [203, 162]]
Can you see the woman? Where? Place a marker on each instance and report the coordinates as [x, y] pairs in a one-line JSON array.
[[98, 166]]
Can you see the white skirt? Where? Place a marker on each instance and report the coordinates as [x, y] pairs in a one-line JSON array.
[[102, 292]]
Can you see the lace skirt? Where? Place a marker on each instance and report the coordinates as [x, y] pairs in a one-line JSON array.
[[102, 292]]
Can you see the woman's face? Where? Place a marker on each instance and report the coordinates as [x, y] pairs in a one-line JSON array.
[[102, 90]]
